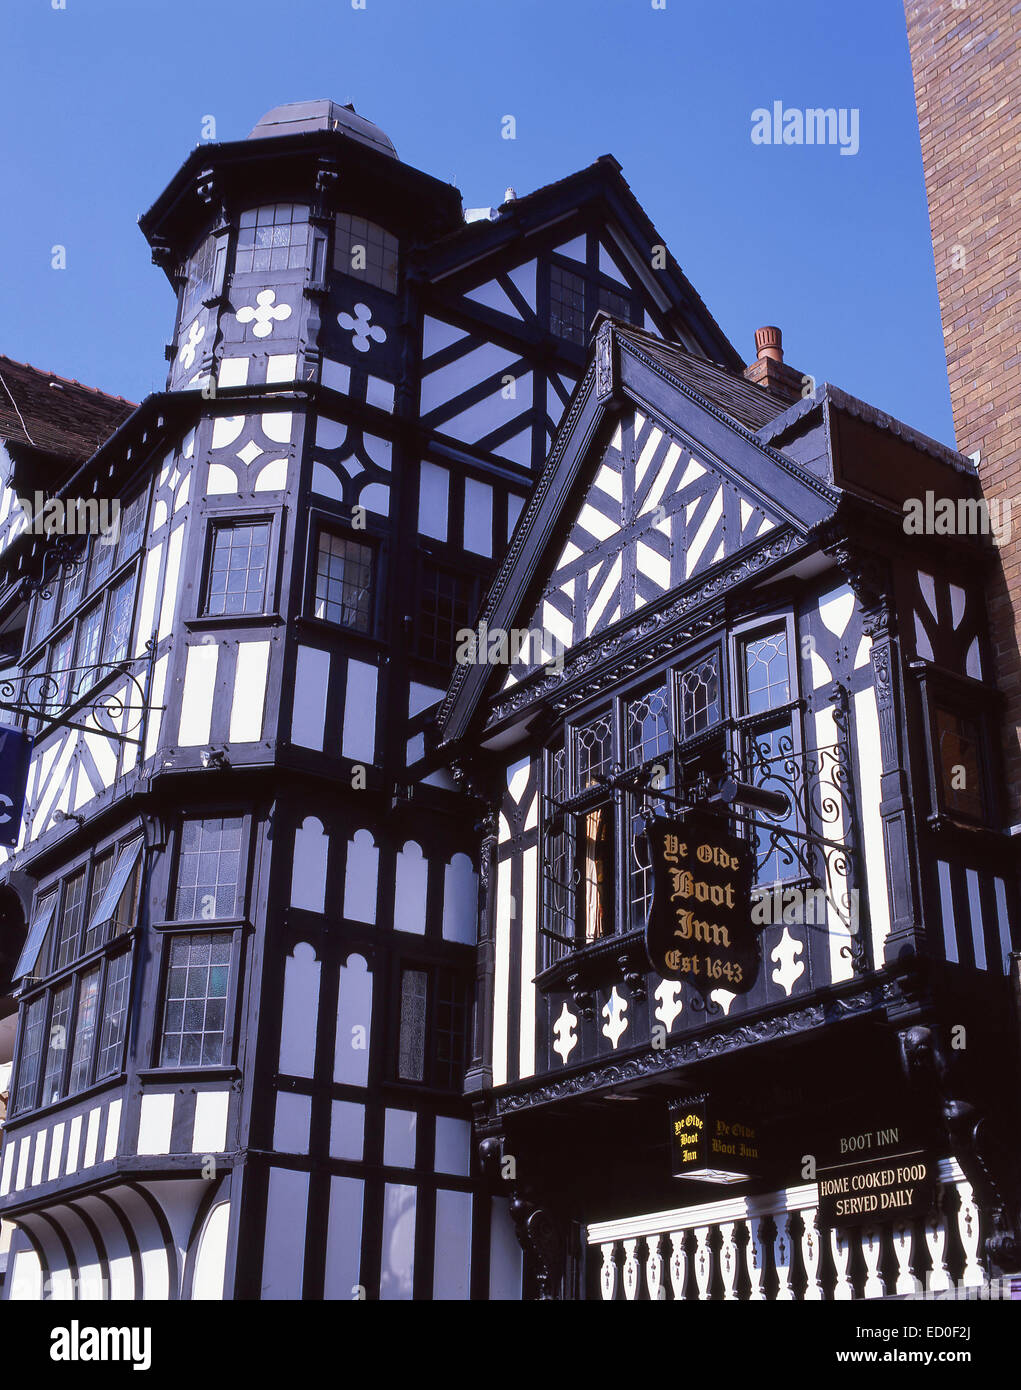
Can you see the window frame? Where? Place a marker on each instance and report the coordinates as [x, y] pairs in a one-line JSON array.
[[439, 564], [211, 812], [432, 969], [282, 273], [100, 957], [596, 289], [744, 725], [324, 525], [168, 934], [224, 521], [563, 810], [962, 695], [362, 278]]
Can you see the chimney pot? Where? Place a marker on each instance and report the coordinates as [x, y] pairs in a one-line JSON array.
[[769, 343]]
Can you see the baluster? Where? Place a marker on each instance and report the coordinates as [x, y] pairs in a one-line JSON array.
[[782, 1258], [872, 1250], [903, 1248], [703, 1261], [811, 1250], [840, 1249], [937, 1279], [630, 1271], [758, 1241], [967, 1226], [608, 1273], [678, 1264], [728, 1261], [654, 1268]]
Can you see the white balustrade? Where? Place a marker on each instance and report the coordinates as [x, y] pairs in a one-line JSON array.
[[770, 1246]]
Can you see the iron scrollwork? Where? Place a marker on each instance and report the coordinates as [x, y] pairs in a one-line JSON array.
[[63, 555], [44, 696]]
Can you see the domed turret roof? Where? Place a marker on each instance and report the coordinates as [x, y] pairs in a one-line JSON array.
[[299, 116]]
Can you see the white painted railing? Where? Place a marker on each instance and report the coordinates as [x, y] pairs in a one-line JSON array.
[[770, 1247]]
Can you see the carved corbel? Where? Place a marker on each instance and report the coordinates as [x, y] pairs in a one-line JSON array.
[[988, 1163]]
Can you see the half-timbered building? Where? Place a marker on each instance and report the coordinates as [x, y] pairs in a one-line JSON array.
[[242, 911], [724, 591]]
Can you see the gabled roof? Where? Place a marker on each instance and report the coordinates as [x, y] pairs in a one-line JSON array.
[[743, 401], [657, 378], [599, 182], [55, 415]]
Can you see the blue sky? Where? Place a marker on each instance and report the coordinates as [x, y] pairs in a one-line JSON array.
[[102, 100]]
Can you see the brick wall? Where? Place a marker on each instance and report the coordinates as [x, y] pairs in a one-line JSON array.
[[967, 70]]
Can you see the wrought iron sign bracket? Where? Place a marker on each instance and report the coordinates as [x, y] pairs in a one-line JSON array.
[[44, 695]]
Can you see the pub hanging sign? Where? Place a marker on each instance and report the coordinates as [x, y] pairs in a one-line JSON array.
[[700, 926]]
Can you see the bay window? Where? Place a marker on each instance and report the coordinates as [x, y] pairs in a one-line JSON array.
[[76, 965]]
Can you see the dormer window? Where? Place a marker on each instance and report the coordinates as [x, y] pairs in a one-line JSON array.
[[365, 251]]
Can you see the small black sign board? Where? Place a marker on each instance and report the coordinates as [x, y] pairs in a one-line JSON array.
[[700, 927], [878, 1175], [705, 1146]]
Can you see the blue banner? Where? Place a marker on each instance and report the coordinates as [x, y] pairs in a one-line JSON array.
[[15, 754]]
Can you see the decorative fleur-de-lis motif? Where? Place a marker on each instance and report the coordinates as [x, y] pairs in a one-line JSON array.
[[616, 1024], [196, 333], [789, 969], [361, 327], [563, 1032], [668, 992], [264, 314]]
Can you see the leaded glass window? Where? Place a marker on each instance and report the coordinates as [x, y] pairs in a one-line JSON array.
[[195, 1009], [237, 568], [575, 301], [700, 696], [272, 238], [411, 1046], [56, 1045], [593, 750], [90, 634], [85, 1029], [766, 672], [446, 604], [366, 251], [209, 869], [647, 726], [118, 622], [198, 277], [31, 1054], [132, 524], [343, 582], [115, 1013], [70, 920]]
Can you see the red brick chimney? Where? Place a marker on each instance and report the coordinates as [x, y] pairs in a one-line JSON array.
[[769, 369]]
